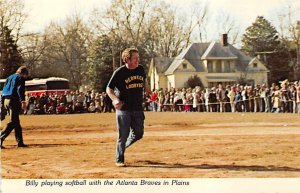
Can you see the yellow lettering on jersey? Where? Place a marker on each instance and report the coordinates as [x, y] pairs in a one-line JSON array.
[[132, 78], [134, 85]]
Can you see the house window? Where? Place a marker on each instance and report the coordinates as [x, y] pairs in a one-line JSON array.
[[232, 66], [209, 67], [184, 66], [227, 66], [219, 66], [254, 65]]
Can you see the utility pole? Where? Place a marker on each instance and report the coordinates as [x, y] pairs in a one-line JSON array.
[[264, 53], [113, 58]]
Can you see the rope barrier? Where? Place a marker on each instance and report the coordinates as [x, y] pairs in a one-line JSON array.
[[218, 103]]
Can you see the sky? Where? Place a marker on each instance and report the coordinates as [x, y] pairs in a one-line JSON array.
[[42, 12]]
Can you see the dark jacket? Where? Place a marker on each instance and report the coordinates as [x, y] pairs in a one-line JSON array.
[[14, 87]]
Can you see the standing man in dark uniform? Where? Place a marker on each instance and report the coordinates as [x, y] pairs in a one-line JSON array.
[[14, 99], [126, 90]]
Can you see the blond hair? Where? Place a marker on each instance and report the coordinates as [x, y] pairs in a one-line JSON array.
[[127, 53]]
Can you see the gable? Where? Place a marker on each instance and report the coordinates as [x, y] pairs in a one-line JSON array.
[[256, 65], [185, 66]]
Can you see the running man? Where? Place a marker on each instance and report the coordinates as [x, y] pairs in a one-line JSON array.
[[126, 89]]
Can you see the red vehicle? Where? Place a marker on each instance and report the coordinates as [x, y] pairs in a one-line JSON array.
[[52, 85]]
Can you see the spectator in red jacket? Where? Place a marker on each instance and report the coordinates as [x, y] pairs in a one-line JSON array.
[[154, 100], [61, 109]]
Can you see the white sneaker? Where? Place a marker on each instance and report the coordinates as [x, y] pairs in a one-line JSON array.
[[120, 164]]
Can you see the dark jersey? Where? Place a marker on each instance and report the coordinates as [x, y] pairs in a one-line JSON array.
[[129, 87]]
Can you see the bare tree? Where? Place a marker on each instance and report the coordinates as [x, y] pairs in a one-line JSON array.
[[66, 50], [155, 26], [168, 33], [32, 48], [172, 30], [123, 20], [199, 21], [227, 24], [13, 16], [124, 23]]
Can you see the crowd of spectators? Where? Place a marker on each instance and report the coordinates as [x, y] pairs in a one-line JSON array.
[[68, 103], [231, 98]]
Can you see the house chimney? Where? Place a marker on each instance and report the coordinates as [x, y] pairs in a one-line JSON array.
[[224, 40]]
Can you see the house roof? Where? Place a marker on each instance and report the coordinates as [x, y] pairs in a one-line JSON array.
[[162, 63], [195, 53], [216, 50], [242, 59], [192, 54]]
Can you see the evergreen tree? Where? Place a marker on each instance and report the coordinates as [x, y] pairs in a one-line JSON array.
[[10, 57], [261, 39], [100, 63], [105, 57], [193, 81]]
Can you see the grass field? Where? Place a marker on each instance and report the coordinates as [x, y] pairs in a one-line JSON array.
[[175, 145]]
